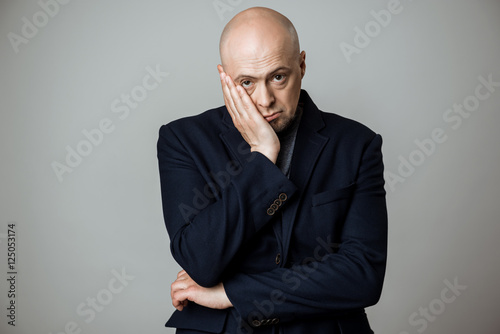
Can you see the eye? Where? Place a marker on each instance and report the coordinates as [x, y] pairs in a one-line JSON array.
[[246, 83], [279, 78]]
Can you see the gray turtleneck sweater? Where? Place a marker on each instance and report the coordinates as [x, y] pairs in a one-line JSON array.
[[287, 143]]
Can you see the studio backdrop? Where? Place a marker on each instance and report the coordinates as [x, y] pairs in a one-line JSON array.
[[86, 85]]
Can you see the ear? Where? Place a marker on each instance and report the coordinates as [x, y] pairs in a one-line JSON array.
[[302, 64]]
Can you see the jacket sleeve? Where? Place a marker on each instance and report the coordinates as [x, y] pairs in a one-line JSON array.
[[336, 283], [218, 224]]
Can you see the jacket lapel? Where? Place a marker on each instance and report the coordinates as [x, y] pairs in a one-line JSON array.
[[308, 146]]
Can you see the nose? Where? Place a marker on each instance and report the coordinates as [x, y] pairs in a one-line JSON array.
[[263, 97]]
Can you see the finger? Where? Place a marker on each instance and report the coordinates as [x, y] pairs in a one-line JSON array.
[[176, 287], [224, 90], [182, 278], [246, 101], [175, 301], [227, 92], [235, 115], [173, 289], [235, 96], [181, 273], [177, 304], [246, 109], [227, 100], [179, 298], [245, 113]]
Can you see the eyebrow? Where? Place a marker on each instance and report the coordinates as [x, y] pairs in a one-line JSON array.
[[241, 76]]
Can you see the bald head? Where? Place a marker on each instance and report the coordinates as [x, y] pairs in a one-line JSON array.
[[260, 52], [256, 27]]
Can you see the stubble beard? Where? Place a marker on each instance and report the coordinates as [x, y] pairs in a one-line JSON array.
[[282, 127]]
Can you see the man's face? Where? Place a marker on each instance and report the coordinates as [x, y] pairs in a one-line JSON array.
[[272, 77]]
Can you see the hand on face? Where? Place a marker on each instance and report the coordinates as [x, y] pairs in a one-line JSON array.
[[253, 127], [185, 289]]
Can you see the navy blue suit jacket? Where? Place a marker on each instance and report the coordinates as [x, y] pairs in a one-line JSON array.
[[306, 253]]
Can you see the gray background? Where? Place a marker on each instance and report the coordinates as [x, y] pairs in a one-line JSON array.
[[106, 214]]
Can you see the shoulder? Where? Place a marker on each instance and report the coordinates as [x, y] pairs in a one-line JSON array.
[[208, 122], [349, 140], [333, 125], [345, 129]]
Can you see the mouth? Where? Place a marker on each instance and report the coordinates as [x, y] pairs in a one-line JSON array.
[[271, 117]]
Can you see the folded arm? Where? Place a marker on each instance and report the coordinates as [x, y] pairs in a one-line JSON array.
[[206, 242], [219, 224], [340, 282]]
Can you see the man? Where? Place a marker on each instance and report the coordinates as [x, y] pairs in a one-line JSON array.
[[275, 210]]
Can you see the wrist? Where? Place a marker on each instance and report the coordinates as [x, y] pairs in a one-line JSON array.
[[271, 154]]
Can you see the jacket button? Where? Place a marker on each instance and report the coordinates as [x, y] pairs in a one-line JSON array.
[[283, 197], [270, 211], [274, 207], [278, 258], [278, 202], [256, 323], [275, 321]]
